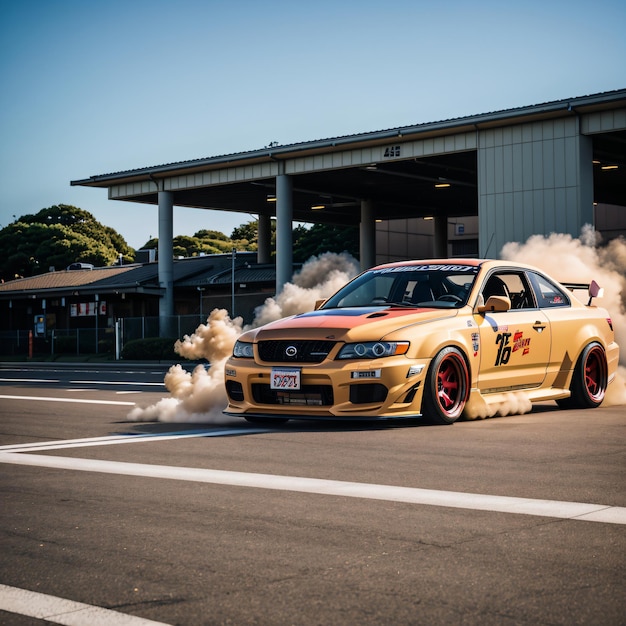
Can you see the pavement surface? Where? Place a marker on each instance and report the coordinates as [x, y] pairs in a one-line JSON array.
[[228, 523]]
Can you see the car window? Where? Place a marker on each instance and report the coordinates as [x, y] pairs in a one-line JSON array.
[[512, 285], [547, 293], [361, 292], [432, 286]]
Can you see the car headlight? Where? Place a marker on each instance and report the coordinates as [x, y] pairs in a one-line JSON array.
[[373, 349], [243, 350]]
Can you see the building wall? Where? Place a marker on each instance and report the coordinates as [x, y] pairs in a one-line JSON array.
[[399, 240], [610, 221], [533, 178]]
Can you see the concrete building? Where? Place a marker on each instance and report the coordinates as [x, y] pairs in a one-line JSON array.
[[461, 187]]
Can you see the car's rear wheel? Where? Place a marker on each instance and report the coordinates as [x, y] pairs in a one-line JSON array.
[[446, 387], [589, 381]]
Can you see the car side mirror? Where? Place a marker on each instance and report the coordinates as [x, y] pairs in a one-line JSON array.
[[495, 304], [318, 304]]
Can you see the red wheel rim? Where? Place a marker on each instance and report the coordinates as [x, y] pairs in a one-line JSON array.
[[451, 383], [595, 374]]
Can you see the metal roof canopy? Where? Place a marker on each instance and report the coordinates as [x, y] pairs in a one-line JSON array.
[[399, 187]]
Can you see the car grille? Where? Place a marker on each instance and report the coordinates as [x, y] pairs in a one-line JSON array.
[[309, 395], [368, 393], [294, 351], [234, 390]]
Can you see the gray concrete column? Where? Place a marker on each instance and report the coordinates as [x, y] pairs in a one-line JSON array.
[[264, 241], [284, 231], [440, 239], [166, 261], [367, 235]]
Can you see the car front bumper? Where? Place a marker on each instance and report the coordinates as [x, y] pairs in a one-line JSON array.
[[382, 388]]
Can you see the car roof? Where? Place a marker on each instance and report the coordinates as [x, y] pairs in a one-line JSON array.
[[483, 263], [408, 263]]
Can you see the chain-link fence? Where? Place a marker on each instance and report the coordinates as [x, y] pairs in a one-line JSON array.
[[101, 341]]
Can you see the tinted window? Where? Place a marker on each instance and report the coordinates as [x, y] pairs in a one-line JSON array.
[[432, 286], [547, 293], [513, 285]]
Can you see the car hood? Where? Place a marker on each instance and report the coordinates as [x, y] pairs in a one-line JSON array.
[[354, 324]]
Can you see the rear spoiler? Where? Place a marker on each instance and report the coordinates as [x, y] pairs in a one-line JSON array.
[[593, 289]]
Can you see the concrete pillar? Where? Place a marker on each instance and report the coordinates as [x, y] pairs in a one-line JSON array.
[[367, 235], [440, 239], [284, 232], [166, 262], [264, 252]]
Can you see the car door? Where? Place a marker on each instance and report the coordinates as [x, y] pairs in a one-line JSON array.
[[515, 344]]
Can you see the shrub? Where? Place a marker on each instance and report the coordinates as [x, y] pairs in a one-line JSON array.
[[153, 348], [65, 344]]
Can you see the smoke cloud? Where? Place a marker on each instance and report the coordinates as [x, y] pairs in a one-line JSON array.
[[580, 261], [199, 396], [512, 403]]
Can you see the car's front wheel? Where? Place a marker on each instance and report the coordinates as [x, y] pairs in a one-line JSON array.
[[589, 381], [446, 388]]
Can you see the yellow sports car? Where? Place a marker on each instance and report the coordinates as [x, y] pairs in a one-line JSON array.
[[438, 339]]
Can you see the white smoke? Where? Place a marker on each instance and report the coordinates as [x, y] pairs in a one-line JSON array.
[[318, 279], [200, 396], [512, 403], [580, 261]]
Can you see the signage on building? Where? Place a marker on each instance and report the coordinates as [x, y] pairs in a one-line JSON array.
[[86, 309]]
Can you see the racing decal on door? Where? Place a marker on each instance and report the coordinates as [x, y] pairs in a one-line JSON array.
[[504, 351], [521, 343], [476, 343], [505, 348]]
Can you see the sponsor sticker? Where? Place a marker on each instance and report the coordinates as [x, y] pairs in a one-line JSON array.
[[476, 343], [366, 374]]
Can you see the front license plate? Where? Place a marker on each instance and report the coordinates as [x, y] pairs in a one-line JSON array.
[[285, 379]]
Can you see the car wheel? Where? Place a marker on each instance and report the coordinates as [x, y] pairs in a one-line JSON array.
[[446, 387], [589, 381], [267, 421]]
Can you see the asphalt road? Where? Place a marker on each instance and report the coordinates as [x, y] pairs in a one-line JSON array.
[[133, 518]]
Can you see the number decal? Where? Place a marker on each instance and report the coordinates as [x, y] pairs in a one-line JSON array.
[[392, 151], [504, 351]]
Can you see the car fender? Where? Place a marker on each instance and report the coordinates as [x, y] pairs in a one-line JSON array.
[[564, 356], [460, 336]]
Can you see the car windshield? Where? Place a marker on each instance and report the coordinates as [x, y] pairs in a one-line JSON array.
[[414, 286]]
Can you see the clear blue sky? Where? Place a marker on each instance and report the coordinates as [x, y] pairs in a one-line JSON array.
[[91, 87]]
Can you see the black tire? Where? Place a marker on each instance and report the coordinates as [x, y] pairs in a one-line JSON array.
[[266, 421], [446, 388], [590, 379]]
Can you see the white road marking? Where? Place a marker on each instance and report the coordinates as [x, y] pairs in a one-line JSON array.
[[113, 382], [62, 611], [83, 382], [131, 438], [480, 502], [28, 380], [80, 401]]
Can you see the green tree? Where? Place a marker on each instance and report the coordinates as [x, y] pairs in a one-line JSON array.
[[320, 238], [308, 241], [56, 237], [206, 242]]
